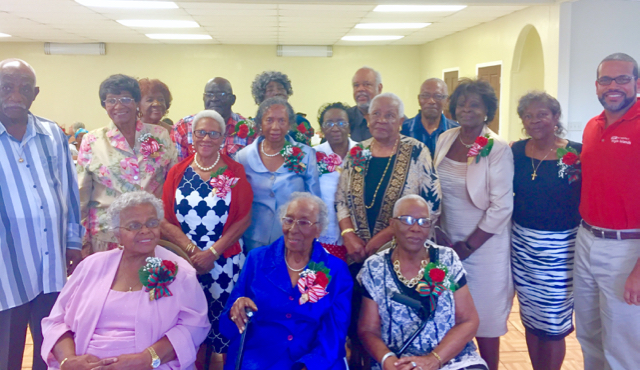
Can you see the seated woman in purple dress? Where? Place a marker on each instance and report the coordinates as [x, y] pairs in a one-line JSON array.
[[135, 307]]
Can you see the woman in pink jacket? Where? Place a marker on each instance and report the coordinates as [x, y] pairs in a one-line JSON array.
[[135, 307]]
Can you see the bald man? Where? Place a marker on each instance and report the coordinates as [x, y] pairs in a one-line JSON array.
[[218, 96], [430, 122], [40, 232]]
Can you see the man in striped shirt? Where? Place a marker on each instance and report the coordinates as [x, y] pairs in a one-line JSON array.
[[40, 231]]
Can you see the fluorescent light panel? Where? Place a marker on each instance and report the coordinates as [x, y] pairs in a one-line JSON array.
[[418, 8], [391, 26], [125, 4], [153, 23], [371, 38], [4, 35], [177, 36]]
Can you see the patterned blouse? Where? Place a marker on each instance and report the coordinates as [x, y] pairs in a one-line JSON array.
[[398, 322], [108, 167], [412, 173]]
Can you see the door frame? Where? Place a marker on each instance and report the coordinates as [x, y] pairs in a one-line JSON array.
[[450, 70], [491, 64]]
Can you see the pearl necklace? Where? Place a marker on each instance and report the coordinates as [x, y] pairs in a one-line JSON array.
[[265, 153], [291, 268], [195, 160]]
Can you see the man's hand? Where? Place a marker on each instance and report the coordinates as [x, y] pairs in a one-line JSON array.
[[74, 257], [632, 286]]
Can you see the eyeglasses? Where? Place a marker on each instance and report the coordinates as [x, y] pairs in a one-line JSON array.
[[304, 225], [540, 116], [436, 97], [410, 221], [113, 101], [620, 80], [201, 134], [137, 226], [341, 124], [218, 95]]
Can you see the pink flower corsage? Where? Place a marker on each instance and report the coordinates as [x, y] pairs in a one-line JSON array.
[[313, 282], [328, 163], [222, 182], [480, 148], [149, 145]]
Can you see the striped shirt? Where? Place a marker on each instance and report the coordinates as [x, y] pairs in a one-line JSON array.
[[39, 212]]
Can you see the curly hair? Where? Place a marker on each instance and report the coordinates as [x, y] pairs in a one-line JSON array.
[[259, 85], [148, 86], [541, 97], [323, 109], [467, 86], [116, 84], [268, 103]]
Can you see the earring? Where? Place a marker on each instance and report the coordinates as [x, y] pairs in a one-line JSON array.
[[486, 118]]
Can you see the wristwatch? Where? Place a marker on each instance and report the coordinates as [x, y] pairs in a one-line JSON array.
[[155, 360]]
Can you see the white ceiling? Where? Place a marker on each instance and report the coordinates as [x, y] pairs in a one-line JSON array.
[[286, 22]]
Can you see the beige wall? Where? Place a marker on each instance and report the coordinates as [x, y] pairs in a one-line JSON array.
[[69, 84], [496, 42]]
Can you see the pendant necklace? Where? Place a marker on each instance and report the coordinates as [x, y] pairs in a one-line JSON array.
[[535, 168], [468, 146]]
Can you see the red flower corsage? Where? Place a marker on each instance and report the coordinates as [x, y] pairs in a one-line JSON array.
[[359, 157], [480, 148], [313, 283], [149, 145], [293, 156], [222, 182], [569, 163], [244, 128], [435, 281], [156, 276], [328, 163], [303, 133]]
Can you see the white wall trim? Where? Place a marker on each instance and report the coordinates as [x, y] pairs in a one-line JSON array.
[[450, 70], [490, 64]]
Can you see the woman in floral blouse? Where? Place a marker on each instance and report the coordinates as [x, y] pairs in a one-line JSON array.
[[126, 155]]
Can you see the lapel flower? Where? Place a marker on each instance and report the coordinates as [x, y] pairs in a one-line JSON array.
[[436, 280], [480, 148], [156, 276], [328, 163], [222, 181], [359, 157], [569, 163], [149, 145], [243, 129], [313, 282], [293, 156]]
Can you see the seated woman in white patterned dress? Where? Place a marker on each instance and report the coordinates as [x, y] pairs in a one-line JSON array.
[[206, 217]]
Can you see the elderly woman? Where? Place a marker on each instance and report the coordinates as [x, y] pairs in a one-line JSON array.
[[108, 313], [331, 156], [155, 102], [125, 156], [476, 175], [429, 274], [300, 296], [206, 209], [543, 241], [271, 84], [276, 166]]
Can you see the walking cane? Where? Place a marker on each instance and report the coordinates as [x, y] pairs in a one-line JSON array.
[[242, 338], [410, 302]]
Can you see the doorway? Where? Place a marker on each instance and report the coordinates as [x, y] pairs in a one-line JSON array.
[[492, 75], [451, 79]]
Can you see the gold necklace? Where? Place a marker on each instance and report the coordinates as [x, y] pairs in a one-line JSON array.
[[375, 194], [416, 279], [535, 168]]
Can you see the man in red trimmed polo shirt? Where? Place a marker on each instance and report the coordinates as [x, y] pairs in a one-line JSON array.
[[607, 261]]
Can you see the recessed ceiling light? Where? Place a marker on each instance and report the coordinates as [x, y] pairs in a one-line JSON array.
[[4, 35], [125, 4], [158, 23], [418, 8], [391, 26], [371, 38], [177, 36]]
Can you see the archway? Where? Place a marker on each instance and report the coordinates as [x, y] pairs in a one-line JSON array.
[[527, 73]]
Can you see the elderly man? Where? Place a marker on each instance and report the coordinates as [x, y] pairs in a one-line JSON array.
[[218, 96], [607, 260], [367, 83], [430, 122], [40, 232]]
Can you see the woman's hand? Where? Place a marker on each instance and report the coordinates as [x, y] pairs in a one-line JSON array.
[[203, 261], [237, 312], [356, 247], [428, 362], [389, 363], [86, 362], [462, 249], [136, 361]]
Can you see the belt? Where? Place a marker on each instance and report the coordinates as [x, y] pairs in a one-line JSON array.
[[610, 234]]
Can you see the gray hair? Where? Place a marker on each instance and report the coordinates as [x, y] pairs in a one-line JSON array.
[[276, 100], [542, 97], [132, 199], [323, 214], [391, 96], [619, 57], [376, 73], [76, 126], [259, 85], [410, 197], [209, 114]]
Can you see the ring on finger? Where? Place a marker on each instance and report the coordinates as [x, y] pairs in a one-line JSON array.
[[413, 364], [233, 318]]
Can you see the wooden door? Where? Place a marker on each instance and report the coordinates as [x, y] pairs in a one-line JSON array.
[[492, 75], [451, 79]]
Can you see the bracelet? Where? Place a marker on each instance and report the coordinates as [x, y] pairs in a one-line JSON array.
[[214, 251], [349, 230], [62, 363], [190, 248], [437, 356], [385, 357]]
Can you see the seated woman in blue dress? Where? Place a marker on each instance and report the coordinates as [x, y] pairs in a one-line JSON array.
[[300, 295]]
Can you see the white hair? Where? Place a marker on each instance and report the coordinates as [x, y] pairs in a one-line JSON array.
[[208, 114], [132, 199], [323, 214], [376, 73], [391, 96], [411, 197]]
